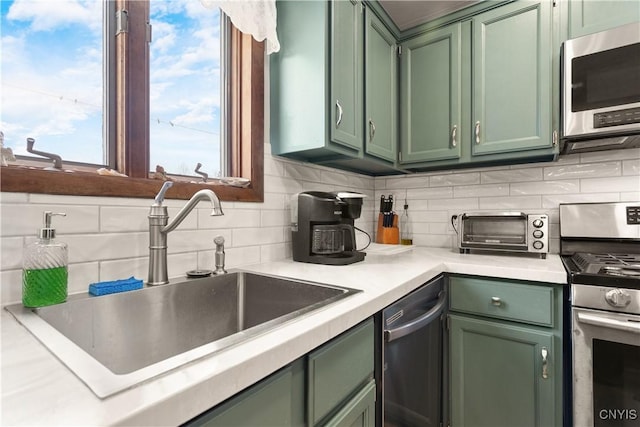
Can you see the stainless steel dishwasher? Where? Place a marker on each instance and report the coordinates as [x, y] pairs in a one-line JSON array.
[[414, 379]]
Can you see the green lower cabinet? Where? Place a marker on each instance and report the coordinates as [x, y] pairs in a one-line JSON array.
[[498, 374], [275, 401], [359, 411], [331, 386], [591, 16]]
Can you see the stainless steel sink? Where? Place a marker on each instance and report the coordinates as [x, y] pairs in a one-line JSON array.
[[113, 342]]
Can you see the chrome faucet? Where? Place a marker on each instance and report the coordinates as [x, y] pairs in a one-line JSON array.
[[158, 229]]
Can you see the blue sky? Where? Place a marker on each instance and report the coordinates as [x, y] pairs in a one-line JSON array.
[[52, 81]]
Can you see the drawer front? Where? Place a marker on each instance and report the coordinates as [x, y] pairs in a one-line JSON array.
[[503, 300], [338, 369]]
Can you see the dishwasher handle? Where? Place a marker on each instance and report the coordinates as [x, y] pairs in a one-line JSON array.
[[414, 325]]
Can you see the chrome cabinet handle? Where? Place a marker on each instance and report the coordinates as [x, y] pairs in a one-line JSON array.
[[545, 363], [339, 109], [496, 301], [454, 132], [372, 130], [478, 132]]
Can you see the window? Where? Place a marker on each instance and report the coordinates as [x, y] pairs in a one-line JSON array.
[[131, 95]]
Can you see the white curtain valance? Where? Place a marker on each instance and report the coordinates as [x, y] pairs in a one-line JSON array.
[[255, 17]]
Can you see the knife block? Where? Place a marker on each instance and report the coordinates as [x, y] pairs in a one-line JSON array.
[[388, 235]]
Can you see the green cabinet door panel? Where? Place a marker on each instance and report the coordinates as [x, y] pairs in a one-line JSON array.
[[273, 402], [430, 92], [497, 375], [381, 89], [359, 411], [512, 76], [346, 73], [590, 16]]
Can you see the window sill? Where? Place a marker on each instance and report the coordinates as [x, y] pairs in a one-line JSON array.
[[27, 180]]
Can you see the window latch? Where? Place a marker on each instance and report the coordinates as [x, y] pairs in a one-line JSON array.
[[57, 160]]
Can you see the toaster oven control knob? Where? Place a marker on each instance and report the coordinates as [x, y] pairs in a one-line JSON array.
[[618, 298], [537, 223], [538, 234], [538, 245]]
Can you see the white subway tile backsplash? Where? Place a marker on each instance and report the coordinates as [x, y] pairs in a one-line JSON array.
[[11, 252], [511, 202], [631, 167], [605, 185], [511, 175], [483, 190], [108, 237], [20, 220], [123, 218], [257, 236], [454, 179], [582, 170], [545, 187]]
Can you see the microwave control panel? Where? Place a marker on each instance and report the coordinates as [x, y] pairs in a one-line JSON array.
[[616, 118]]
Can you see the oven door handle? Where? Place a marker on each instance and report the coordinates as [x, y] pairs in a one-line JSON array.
[[414, 325], [608, 322]]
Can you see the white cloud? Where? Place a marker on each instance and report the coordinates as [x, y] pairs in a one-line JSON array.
[[46, 15]]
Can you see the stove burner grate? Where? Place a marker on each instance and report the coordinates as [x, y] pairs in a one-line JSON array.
[[612, 264]]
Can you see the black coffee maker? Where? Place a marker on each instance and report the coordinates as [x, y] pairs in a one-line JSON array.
[[322, 227]]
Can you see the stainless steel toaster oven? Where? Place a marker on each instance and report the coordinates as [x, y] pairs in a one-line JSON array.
[[503, 231]]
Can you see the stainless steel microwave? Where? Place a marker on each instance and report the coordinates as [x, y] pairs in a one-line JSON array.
[[503, 231], [601, 90]]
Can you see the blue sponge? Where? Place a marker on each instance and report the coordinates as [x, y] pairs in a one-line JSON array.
[[104, 288]]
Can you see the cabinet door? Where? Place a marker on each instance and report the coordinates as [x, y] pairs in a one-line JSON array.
[[512, 54], [346, 73], [591, 16], [359, 411], [430, 96], [273, 402], [498, 374], [381, 88]]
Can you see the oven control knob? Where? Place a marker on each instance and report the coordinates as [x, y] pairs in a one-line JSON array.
[[538, 234], [538, 245], [538, 223], [617, 298]]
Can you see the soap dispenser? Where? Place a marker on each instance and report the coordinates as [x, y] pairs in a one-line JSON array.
[[44, 268]]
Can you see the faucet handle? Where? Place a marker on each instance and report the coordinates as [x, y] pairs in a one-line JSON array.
[[160, 196]]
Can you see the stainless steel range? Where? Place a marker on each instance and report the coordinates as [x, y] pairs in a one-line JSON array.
[[600, 248]]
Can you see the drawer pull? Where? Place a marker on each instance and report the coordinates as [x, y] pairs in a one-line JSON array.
[[545, 364], [339, 113], [496, 301]]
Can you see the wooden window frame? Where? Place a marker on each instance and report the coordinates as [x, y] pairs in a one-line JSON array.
[[246, 122]]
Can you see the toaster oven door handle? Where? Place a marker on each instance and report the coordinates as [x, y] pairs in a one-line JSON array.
[[486, 214], [414, 325]]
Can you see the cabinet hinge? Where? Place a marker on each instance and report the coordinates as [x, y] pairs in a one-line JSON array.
[[399, 156], [554, 138], [447, 323], [122, 21], [399, 50]]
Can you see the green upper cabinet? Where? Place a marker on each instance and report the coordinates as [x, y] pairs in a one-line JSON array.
[[346, 73], [381, 89], [317, 87], [590, 16], [430, 76], [512, 74]]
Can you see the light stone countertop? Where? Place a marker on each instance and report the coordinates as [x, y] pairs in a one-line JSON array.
[[37, 389]]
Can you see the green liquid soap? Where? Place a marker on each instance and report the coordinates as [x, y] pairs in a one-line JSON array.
[[44, 287]]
